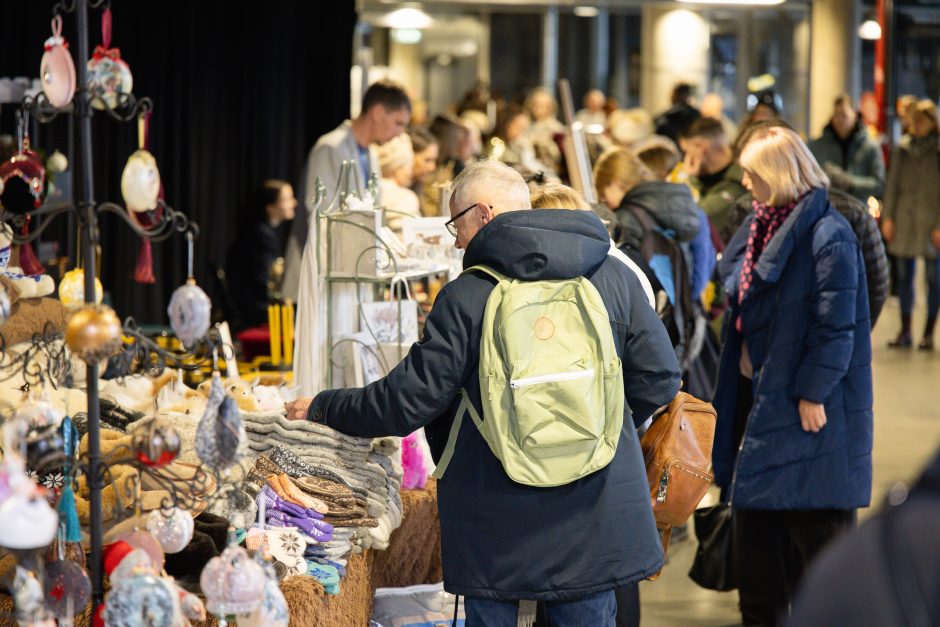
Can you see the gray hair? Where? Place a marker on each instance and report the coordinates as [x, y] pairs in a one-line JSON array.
[[493, 183]]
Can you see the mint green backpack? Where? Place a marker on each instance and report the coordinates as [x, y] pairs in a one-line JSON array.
[[550, 381]]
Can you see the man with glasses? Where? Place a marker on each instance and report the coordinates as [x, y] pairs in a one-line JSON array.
[[504, 544]]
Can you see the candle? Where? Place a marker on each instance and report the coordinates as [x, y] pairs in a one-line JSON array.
[[271, 337], [275, 329], [288, 333]]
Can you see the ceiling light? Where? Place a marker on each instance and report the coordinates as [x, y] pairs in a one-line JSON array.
[[586, 11], [870, 30], [407, 17], [406, 35], [750, 2]]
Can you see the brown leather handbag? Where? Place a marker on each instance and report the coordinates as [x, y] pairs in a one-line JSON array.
[[677, 449]]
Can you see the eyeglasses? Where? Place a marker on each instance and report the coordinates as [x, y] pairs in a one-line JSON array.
[[450, 224]]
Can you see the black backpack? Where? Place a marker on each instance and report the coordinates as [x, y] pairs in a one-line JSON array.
[[679, 314]]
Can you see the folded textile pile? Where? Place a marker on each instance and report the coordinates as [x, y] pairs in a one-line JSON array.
[[319, 446]]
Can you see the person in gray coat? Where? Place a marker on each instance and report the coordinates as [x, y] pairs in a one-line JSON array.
[[849, 156], [386, 111], [911, 217]]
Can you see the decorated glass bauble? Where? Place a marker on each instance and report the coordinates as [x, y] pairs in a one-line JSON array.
[[232, 583], [45, 449], [190, 313], [93, 333], [140, 182], [141, 600], [273, 611], [72, 289], [57, 70], [108, 77], [28, 597], [144, 541], [192, 607], [67, 588], [156, 443], [24, 181], [173, 529]]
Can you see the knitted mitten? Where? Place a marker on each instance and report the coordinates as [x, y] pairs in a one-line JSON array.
[[290, 492]]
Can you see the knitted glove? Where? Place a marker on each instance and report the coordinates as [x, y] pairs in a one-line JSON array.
[[273, 501], [307, 526]]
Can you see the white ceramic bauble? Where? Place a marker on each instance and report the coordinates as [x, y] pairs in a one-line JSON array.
[[140, 182], [233, 583], [57, 72]]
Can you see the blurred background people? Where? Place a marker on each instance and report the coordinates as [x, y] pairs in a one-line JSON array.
[[424, 170], [911, 218], [252, 259], [848, 154], [593, 114], [397, 158], [674, 121]]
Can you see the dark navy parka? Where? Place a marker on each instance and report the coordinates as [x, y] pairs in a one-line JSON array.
[[500, 539]]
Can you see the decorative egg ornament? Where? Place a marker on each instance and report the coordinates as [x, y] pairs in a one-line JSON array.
[[57, 70], [233, 583], [72, 289], [67, 588], [173, 529], [190, 312], [141, 600], [93, 333], [156, 444], [140, 181]]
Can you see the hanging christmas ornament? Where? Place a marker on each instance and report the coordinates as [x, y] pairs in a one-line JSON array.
[[192, 607], [23, 175], [273, 611], [109, 77], [28, 597], [220, 432], [93, 333], [190, 310], [156, 443], [67, 588], [27, 521], [57, 162], [57, 71], [71, 551], [72, 289], [232, 583], [140, 600], [148, 544], [173, 529], [140, 182]]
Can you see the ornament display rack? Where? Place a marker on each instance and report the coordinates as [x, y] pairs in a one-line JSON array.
[[45, 359], [375, 265]]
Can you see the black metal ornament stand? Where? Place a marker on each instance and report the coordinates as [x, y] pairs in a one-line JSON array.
[[141, 354]]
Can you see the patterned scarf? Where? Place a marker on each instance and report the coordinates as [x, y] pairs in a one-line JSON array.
[[767, 221]]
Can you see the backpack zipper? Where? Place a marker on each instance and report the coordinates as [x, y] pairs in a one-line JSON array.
[[551, 378]]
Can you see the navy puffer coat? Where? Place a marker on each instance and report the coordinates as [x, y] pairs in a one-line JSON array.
[[500, 539], [805, 323]]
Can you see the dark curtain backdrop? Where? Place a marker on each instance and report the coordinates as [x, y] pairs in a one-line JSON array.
[[241, 92]]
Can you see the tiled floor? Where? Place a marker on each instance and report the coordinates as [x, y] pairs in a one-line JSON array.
[[907, 432]]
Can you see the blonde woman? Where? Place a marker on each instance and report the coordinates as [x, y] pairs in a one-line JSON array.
[[396, 158], [911, 219], [794, 396]]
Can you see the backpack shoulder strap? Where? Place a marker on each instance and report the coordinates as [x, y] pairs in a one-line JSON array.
[[488, 271], [646, 221]]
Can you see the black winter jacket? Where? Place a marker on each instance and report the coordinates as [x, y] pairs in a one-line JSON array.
[[864, 226], [669, 204], [500, 539], [886, 572]]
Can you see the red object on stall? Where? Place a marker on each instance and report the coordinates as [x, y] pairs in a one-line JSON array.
[[255, 341]]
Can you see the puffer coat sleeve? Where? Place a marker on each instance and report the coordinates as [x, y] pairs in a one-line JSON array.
[[831, 337]]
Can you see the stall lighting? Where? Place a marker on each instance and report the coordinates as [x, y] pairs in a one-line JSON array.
[[750, 2], [870, 30], [586, 11], [407, 17]]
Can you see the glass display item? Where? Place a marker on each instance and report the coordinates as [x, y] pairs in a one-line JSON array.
[[57, 70]]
